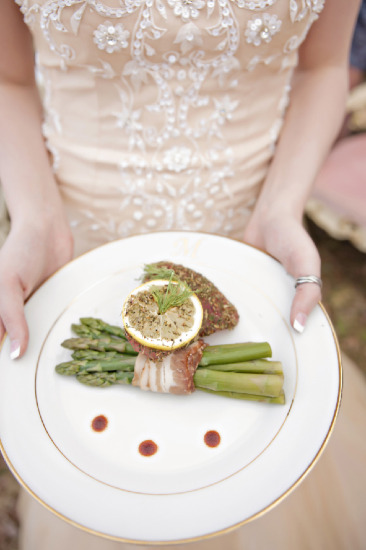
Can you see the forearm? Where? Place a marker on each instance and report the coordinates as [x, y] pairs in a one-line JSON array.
[[25, 171], [311, 124]]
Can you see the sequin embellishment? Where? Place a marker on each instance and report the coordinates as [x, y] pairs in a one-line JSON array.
[[254, 4], [186, 9], [262, 29], [111, 38], [299, 9]]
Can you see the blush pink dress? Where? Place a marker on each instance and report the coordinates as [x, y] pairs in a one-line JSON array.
[[164, 114]]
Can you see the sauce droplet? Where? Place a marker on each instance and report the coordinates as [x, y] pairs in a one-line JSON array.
[[212, 438], [99, 423], [148, 448]]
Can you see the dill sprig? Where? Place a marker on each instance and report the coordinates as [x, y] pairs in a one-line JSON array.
[[175, 295], [152, 272], [155, 272]]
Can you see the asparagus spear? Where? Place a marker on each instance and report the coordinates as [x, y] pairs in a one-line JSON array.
[[70, 368], [248, 383], [255, 384], [259, 366], [104, 379], [85, 332], [90, 354], [89, 332], [99, 344], [99, 324], [248, 397], [92, 338], [212, 355], [98, 361], [234, 353]]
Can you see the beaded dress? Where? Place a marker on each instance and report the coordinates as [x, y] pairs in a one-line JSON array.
[[164, 114]]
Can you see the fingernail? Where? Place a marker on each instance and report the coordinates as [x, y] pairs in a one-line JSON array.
[[299, 323], [14, 349]]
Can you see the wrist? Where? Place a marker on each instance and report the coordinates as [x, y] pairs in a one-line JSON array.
[[49, 229], [40, 216], [268, 210], [34, 201]]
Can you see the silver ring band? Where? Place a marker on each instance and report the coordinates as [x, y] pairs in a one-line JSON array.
[[308, 279]]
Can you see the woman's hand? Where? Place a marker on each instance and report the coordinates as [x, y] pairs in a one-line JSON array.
[[284, 237], [33, 250], [310, 126], [40, 239]]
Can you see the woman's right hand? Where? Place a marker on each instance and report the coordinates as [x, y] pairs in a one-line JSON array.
[[40, 239], [33, 250]]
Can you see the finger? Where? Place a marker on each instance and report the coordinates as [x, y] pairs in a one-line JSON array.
[[13, 319], [304, 261], [2, 332], [306, 297]]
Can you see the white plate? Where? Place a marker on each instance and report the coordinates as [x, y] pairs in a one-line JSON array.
[[186, 490]]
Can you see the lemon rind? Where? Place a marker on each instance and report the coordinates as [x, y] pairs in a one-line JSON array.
[[163, 344]]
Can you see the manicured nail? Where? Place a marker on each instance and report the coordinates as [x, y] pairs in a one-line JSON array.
[[14, 349], [299, 323]]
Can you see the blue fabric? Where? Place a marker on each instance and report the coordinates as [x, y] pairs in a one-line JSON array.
[[358, 49]]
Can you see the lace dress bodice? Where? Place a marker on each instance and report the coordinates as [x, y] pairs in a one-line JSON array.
[[163, 114]]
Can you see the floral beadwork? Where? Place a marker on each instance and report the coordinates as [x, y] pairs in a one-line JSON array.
[[173, 131], [262, 29], [224, 109], [299, 9], [111, 38], [177, 159], [186, 9], [254, 4]]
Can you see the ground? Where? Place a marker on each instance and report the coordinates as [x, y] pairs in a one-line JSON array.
[[344, 297]]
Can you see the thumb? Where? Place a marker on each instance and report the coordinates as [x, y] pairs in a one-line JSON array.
[[12, 317], [304, 261]]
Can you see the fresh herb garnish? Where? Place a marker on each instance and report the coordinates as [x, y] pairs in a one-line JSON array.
[[155, 272], [174, 296]]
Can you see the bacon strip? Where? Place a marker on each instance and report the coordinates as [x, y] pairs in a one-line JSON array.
[[171, 373]]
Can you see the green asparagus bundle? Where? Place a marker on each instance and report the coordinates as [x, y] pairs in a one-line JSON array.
[[102, 356]]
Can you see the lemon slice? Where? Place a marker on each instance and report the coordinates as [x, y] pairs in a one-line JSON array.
[[170, 330]]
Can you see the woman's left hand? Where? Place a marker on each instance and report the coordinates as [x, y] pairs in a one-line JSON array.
[[284, 237]]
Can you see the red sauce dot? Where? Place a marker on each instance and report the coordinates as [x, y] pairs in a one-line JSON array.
[[99, 423], [212, 438], [148, 448]]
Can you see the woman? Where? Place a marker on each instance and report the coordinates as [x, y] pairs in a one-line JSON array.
[[164, 114], [114, 159]]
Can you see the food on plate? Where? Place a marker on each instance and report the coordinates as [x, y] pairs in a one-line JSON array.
[[218, 312], [97, 361], [172, 373], [163, 315], [161, 348]]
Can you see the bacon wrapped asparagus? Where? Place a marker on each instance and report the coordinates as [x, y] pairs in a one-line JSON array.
[[102, 357]]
